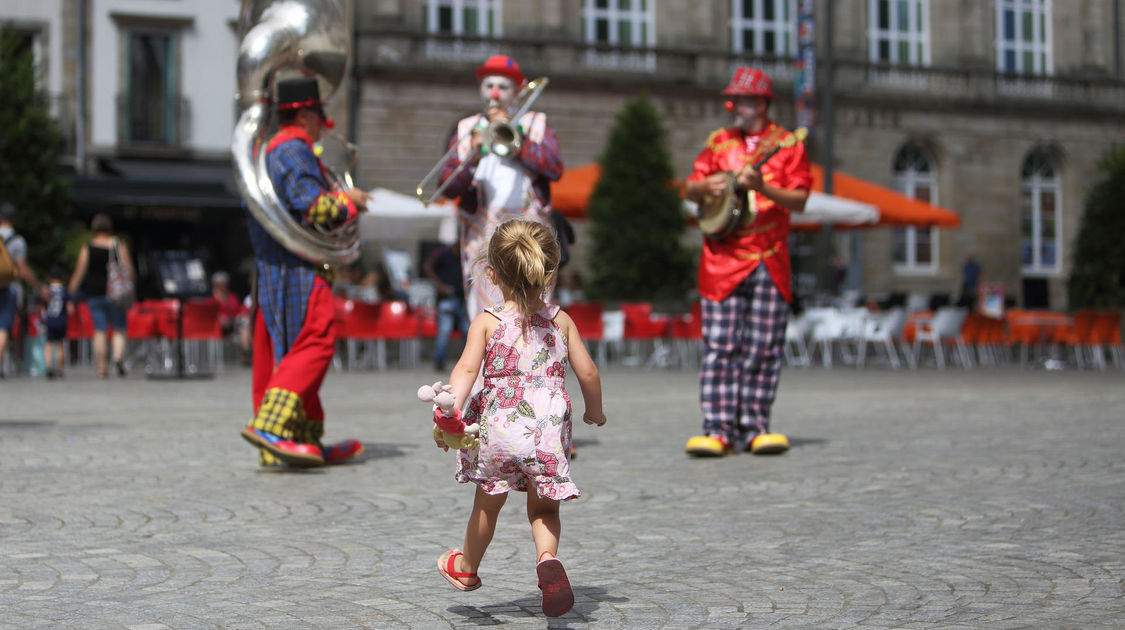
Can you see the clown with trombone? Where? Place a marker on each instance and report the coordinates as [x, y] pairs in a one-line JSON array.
[[500, 165]]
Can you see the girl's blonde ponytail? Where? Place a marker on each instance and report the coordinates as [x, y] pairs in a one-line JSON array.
[[525, 258]]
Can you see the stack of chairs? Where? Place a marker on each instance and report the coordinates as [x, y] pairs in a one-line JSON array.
[[687, 336], [369, 325], [1091, 336], [642, 328]]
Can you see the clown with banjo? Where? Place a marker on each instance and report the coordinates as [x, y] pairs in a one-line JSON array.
[[747, 179]]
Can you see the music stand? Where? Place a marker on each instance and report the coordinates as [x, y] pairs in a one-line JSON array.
[[182, 276]]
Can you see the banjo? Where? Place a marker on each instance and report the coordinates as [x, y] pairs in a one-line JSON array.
[[720, 216]]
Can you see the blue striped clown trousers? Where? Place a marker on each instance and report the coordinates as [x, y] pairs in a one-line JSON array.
[[743, 338]]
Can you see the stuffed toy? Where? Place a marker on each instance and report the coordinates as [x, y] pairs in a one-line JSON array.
[[449, 428]]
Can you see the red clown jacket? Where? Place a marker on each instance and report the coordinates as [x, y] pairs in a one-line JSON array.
[[727, 262]]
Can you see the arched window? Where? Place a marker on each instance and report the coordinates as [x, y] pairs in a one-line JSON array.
[[1040, 211], [915, 248]]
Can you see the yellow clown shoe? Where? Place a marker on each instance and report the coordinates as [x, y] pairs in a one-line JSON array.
[[708, 446], [769, 444]]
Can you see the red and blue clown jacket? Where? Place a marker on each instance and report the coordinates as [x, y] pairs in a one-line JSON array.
[[286, 280]]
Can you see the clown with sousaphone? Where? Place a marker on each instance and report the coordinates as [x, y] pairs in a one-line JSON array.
[[747, 180], [302, 220]]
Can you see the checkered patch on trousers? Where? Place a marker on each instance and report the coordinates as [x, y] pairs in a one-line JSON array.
[[283, 414]]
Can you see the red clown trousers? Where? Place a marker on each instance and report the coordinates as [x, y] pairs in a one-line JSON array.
[[287, 394]]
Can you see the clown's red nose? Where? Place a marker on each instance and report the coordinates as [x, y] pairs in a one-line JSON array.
[[729, 106], [495, 95]]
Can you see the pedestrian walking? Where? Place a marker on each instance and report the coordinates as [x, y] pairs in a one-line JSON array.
[[59, 307], [91, 276], [523, 346]]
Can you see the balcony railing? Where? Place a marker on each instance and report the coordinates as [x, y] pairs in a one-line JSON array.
[[413, 52], [145, 126], [978, 85]]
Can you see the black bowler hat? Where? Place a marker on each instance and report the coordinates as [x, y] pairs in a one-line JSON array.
[[302, 93]]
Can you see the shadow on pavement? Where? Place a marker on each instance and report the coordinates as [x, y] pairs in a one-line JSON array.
[[371, 451], [27, 425], [46, 425], [796, 442], [586, 601]]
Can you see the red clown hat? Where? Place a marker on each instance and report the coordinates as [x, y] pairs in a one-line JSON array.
[[750, 82], [503, 66]]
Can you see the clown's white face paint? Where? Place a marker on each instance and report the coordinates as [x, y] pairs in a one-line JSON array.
[[749, 113], [497, 91]]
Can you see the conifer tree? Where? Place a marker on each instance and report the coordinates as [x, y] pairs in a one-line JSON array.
[[636, 216], [29, 154], [1097, 278]]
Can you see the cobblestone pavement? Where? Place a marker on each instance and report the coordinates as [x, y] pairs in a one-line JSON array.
[[958, 499]]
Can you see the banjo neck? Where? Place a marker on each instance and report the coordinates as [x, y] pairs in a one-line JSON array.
[[777, 138]]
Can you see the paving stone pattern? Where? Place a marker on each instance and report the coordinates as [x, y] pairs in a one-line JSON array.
[[958, 499]]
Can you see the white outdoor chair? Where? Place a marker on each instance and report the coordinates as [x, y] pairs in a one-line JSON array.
[[945, 326], [917, 301], [796, 349], [837, 327], [613, 333], [886, 331]]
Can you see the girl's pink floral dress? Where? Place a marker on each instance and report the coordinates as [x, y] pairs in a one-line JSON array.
[[523, 410]]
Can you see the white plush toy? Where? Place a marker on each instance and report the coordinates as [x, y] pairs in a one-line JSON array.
[[449, 428]]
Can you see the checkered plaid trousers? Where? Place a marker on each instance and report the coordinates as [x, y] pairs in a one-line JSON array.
[[743, 337]]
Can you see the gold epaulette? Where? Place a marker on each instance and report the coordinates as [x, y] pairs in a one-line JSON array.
[[717, 144]]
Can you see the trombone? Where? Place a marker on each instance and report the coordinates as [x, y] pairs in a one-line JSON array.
[[500, 137]]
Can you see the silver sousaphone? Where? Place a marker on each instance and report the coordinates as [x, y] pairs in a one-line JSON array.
[[282, 39]]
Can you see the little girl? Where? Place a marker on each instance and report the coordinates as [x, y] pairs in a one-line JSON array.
[[523, 408]]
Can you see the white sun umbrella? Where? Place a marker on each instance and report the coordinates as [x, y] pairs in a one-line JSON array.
[[821, 209], [396, 217]]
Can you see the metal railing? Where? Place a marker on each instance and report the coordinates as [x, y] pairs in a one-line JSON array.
[[413, 52], [151, 125]]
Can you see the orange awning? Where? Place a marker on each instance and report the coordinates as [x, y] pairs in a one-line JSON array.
[[894, 208], [571, 195]]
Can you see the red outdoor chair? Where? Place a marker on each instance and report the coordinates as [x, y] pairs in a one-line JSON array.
[[427, 322], [1078, 337], [1106, 335], [80, 332], [357, 326], [587, 317], [397, 322], [201, 329], [142, 333], [642, 326], [687, 336]]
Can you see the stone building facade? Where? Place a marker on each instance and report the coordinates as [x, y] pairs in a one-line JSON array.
[[997, 110]]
